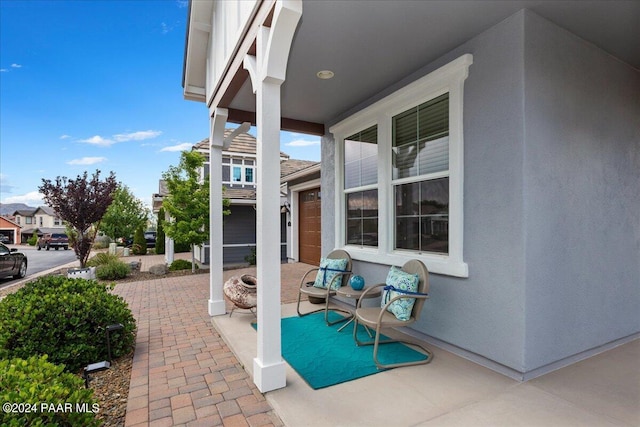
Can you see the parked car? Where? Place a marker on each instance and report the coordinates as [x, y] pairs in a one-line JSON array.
[[150, 237], [4, 238], [12, 263], [53, 240]]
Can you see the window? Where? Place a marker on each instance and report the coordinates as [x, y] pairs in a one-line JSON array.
[[420, 142], [401, 176], [238, 171], [360, 185], [57, 221], [28, 220]]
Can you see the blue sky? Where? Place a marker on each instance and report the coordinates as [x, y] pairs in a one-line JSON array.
[[88, 85]]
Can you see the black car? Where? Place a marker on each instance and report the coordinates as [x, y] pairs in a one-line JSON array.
[[12, 263], [150, 237]]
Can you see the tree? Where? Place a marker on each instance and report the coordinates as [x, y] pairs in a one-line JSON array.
[[160, 233], [81, 203], [139, 242], [124, 214], [187, 202]]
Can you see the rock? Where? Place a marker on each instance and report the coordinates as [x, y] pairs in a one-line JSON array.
[[158, 269]]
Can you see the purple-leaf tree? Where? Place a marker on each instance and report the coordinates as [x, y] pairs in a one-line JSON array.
[[81, 203]]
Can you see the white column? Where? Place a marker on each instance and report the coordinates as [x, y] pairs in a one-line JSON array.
[[169, 249], [267, 71], [216, 141], [269, 368]]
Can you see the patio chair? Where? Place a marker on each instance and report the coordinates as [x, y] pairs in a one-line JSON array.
[[334, 271], [406, 305]]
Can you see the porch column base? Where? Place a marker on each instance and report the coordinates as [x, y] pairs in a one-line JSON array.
[[269, 377], [217, 308]]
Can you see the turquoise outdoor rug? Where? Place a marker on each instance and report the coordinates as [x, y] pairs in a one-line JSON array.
[[323, 357]]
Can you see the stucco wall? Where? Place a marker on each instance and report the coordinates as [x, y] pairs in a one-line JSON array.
[[483, 314], [582, 195], [540, 287]]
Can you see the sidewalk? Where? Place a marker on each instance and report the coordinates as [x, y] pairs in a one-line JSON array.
[[191, 370]]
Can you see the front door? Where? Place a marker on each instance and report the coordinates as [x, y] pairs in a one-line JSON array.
[[309, 226]]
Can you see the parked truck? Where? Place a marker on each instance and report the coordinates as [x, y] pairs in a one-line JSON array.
[[53, 240]]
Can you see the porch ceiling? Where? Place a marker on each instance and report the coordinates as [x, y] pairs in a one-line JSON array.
[[372, 45]]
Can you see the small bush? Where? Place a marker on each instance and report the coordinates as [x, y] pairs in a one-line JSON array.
[[181, 264], [41, 387], [113, 270], [101, 242], [33, 240], [252, 257], [139, 246], [66, 319], [101, 259]]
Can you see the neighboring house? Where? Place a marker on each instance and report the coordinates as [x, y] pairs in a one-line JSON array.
[[10, 228], [40, 218], [489, 141], [239, 181], [300, 181]]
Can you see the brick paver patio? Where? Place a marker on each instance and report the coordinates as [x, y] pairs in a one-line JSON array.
[[183, 372]]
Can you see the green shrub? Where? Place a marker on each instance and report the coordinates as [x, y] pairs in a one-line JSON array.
[[42, 387], [113, 270], [181, 264], [101, 259], [33, 240], [160, 233], [66, 319], [139, 246], [252, 257]]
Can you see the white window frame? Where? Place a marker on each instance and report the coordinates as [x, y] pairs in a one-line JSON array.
[[449, 78], [243, 171]]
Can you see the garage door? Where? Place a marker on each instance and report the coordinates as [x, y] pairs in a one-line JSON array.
[[309, 221]]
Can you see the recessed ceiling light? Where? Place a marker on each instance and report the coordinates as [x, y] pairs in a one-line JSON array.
[[325, 74]]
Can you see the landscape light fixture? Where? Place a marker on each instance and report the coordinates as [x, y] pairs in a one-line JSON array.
[[112, 328], [92, 368]]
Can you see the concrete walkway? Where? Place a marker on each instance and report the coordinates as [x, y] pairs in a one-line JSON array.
[[188, 371]]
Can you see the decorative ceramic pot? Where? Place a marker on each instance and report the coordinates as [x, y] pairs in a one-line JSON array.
[[241, 291], [356, 283]]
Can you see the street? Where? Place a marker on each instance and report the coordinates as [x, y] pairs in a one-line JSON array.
[[41, 260]]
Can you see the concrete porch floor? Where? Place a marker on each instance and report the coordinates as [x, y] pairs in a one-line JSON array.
[[190, 369]]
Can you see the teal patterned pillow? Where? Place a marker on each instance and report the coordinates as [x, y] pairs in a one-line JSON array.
[[401, 280], [329, 268]]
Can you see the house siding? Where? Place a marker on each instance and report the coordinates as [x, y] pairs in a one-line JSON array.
[[242, 232], [535, 269]]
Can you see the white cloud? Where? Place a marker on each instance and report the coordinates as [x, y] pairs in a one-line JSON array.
[[182, 3], [3, 70], [137, 136], [179, 147], [302, 143], [98, 140], [121, 137], [65, 136], [16, 66], [87, 161], [32, 198]]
